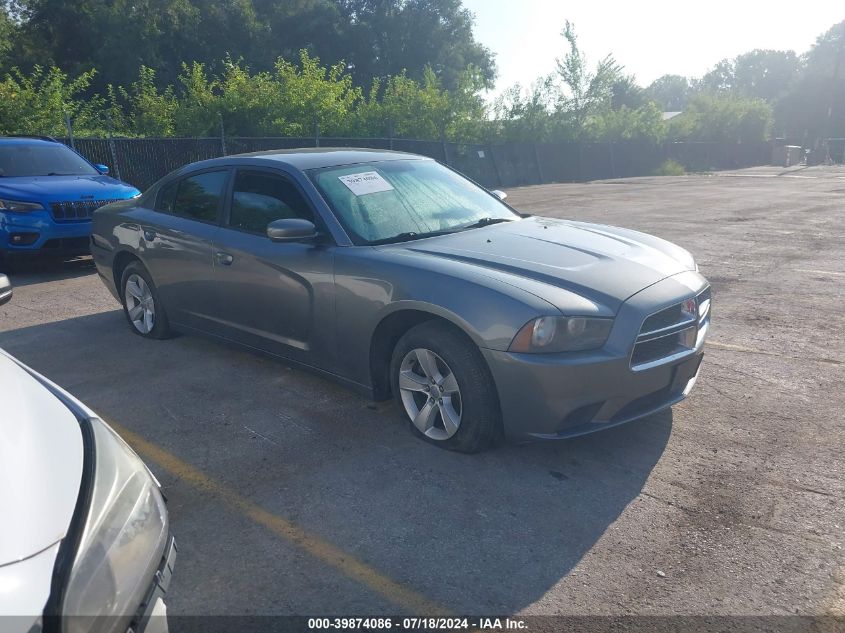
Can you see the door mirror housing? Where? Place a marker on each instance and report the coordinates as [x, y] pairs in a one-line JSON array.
[[501, 195], [5, 289], [291, 230], [103, 169]]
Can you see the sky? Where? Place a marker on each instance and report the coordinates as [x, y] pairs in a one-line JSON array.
[[649, 38]]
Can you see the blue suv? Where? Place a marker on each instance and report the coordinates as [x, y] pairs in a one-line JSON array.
[[48, 194]]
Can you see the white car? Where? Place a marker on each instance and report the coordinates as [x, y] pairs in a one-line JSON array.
[[84, 532]]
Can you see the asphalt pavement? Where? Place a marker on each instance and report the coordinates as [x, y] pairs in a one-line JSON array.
[[289, 494]]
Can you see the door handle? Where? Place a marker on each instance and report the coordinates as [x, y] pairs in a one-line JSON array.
[[149, 235], [224, 259]]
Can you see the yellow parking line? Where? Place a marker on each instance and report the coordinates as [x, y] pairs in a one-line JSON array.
[[749, 350], [738, 348], [820, 272], [388, 588], [835, 604]]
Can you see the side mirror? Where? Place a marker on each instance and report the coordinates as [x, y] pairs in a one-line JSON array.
[[291, 230], [501, 195], [5, 289], [103, 169]]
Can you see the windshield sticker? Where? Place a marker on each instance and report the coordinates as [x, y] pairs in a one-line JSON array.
[[367, 182]]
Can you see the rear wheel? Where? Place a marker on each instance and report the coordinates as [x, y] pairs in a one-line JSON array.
[[442, 384], [142, 304]]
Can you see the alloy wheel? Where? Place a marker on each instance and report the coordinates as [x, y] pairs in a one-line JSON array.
[[430, 394], [140, 305]]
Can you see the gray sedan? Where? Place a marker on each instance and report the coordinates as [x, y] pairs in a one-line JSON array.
[[401, 278]]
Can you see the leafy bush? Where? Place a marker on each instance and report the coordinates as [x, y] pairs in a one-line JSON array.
[[37, 103], [723, 118], [625, 124], [669, 168]]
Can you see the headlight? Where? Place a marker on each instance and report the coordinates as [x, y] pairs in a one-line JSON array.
[[122, 542], [20, 207], [562, 334]]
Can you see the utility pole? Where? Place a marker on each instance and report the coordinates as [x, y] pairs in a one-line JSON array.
[[110, 129], [69, 127], [222, 134], [836, 66]]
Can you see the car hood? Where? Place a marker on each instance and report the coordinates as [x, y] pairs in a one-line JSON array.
[[57, 188], [604, 264], [41, 454]]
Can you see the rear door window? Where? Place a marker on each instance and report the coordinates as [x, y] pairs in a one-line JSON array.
[[195, 197]]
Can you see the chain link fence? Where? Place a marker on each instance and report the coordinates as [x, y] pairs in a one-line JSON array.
[[142, 161]]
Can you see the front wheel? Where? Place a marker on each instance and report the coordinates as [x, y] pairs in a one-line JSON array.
[[142, 304], [443, 385]]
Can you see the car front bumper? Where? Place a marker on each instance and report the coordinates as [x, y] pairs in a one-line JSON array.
[[152, 614], [36, 233], [555, 396]]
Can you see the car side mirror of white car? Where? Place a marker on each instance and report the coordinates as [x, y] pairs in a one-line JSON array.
[[291, 230], [501, 195], [5, 289]]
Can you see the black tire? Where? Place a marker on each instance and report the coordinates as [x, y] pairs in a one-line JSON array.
[[161, 326], [481, 418]]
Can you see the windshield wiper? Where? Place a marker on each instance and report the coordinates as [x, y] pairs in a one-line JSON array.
[[56, 173], [400, 237], [483, 222], [413, 235], [409, 235]]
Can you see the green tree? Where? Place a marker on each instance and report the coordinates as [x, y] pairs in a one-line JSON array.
[[309, 92], [525, 114], [417, 110], [8, 31], [644, 123], [37, 103], [723, 118], [765, 74], [198, 102], [376, 37], [821, 94], [758, 74], [670, 92], [584, 91], [116, 37], [626, 92], [721, 79], [150, 112], [385, 37]]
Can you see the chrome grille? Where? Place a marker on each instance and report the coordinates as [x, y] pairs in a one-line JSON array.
[[76, 210], [670, 331]]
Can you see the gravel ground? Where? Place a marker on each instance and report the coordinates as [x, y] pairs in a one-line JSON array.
[[279, 482]]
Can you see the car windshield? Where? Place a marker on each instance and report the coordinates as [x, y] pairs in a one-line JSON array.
[[41, 159], [398, 200]]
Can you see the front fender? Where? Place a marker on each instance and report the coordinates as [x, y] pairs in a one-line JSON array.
[[370, 289]]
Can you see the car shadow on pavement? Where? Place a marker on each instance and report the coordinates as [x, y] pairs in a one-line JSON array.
[[476, 534], [26, 272]]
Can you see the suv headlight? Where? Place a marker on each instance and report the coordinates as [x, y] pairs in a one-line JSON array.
[[550, 334], [122, 542], [19, 206]]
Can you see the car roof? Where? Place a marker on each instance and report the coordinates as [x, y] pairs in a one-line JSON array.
[[308, 157], [27, 140]]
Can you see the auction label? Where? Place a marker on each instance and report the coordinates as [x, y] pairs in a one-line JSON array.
[[367, 182], [418, 624]]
